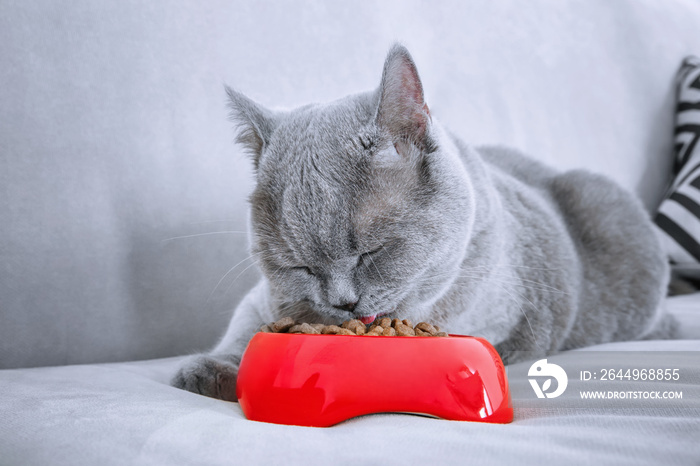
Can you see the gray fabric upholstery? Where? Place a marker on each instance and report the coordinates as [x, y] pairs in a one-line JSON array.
[[114, 138], [115, 151], [126, 413]]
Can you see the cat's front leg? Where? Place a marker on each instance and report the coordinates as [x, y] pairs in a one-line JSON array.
[[526, 343], [214, 374], [209, 375]]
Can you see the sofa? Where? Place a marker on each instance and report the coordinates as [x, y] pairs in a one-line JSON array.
[[123, 245]]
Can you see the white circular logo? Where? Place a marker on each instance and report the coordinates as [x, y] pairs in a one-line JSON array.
[[547, 371]]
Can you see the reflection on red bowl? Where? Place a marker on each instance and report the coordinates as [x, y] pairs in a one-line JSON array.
[[321, 380]]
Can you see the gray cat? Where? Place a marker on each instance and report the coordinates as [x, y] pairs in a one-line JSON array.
[[367, 207]]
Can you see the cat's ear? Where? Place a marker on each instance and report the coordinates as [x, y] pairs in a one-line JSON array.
[[402, 110], [254, 124]]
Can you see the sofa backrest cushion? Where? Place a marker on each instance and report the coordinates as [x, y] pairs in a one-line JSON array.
[[123, 197]]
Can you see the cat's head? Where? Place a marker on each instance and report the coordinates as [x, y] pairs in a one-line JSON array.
[[361, 207]]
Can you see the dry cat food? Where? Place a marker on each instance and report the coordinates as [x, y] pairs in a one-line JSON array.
[[381, 327]]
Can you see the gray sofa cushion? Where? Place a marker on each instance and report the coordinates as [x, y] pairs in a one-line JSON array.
[[126, 413], [114, 136]]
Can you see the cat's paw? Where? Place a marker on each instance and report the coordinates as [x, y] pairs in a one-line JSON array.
[[212, 376]]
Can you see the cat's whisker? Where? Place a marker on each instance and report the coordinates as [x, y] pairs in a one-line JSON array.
[[252, 256], [537, 285], [542, 286], [491, 271], [210, 233], [454, 274], [499, 281], [513, 266], [292, 310], [276, 273], [287, 306], [527, 286], [300, 311], [377, 269], [284, 308], [514, 280], [206, 222], [476, 332], [527, 319], [381, 245], [239, 276]]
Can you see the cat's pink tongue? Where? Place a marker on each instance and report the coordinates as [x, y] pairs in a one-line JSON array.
[[368, 319]]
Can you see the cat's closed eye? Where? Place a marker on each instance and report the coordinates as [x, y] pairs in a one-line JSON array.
[[367, 256], [304, 269]]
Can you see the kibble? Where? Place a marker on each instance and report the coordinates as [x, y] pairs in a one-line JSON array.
[[385, 322], [318, 327], [282, 325], [331, 330], [404, 330], [355, 326], [426, 327], [381, 327], [304, 328]]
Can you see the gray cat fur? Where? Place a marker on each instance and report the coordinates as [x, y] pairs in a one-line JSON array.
[[367, 206]]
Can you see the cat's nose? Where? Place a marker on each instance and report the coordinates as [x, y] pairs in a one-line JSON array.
[[350, 306]]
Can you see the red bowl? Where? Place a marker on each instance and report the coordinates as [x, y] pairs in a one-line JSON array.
[[321, 380]]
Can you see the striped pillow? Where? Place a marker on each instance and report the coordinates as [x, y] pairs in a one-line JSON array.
[[679, 214]]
